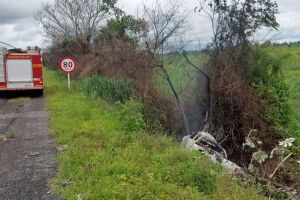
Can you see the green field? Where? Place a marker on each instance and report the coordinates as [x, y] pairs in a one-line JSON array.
[[102, 158], [291, 67], [182, 74]]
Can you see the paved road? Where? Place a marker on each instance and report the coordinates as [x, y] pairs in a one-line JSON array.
[[27, 152]]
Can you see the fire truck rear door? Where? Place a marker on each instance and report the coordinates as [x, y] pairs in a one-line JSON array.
[[19, 73]]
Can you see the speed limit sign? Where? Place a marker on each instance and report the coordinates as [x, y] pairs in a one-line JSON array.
[[68, 64]]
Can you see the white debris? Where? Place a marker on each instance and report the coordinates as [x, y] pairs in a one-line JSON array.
[[287, 143], [249, 143], [62, 147], [79, 197], [34, 154], [3, 137], [215, 157], [260, 156]]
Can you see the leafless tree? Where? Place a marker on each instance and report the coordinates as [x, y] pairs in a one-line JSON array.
[[74, 19], [166, 20], [234, 22]]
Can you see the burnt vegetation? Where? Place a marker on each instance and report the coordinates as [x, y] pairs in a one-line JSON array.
[[235, 109]]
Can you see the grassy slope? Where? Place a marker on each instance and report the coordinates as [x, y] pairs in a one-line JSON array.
[[102, 161]]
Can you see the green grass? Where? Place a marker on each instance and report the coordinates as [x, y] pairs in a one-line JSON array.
[[181, 73], [105, 160], [291, 68]]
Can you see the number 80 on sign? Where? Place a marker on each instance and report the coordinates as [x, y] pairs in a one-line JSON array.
[[68, 64]]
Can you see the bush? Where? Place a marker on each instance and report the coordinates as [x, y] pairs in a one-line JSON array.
[[108, 89]]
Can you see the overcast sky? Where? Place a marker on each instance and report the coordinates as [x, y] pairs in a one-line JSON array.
[[18, 27]]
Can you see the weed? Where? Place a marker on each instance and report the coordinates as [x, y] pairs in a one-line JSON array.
[[108, 89]]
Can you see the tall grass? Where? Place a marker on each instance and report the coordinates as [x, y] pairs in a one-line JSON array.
[[111, 90]]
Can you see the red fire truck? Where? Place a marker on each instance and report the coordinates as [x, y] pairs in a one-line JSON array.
[[21, 70]]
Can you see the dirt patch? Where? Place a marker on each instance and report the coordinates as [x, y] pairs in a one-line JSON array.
[[27, 152]]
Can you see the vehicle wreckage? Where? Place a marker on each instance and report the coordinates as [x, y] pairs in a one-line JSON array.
[[206, 143]]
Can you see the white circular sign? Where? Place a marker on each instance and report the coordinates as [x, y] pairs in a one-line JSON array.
[[68, 65]]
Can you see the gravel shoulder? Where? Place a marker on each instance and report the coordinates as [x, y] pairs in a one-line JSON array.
[[27, 152]]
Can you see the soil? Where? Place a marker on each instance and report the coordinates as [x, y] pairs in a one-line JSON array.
[[27, 152]]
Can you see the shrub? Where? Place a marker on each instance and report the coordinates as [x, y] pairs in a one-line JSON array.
[[110, 90]]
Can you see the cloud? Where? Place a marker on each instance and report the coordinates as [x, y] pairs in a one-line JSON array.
[[15, 10], [18, 27]]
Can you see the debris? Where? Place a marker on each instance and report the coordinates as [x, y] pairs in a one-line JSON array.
[[79, 197], [276, 151], [3, 137], [28, 138], [287, 143], [20, 105], [206, 143], [280, 164], [260, 156], [232, 168], [62, 147], [34, 154], [249, 143], [66, 183]]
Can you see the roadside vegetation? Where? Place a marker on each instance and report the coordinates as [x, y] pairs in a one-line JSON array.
[[138, 86], [105, 153]]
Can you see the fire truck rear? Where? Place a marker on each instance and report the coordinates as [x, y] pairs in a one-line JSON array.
[[21, 70]]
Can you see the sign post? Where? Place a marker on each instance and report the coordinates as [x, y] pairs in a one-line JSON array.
[[69, 81], [68, 65]]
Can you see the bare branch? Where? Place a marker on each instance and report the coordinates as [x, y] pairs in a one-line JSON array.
[[280, 164], [74, 19], [196, 67], [168, 79]]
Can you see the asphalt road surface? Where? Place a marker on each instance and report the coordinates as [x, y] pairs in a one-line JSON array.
[[27, 152]]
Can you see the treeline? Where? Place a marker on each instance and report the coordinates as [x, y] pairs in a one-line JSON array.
[[283, 44]]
